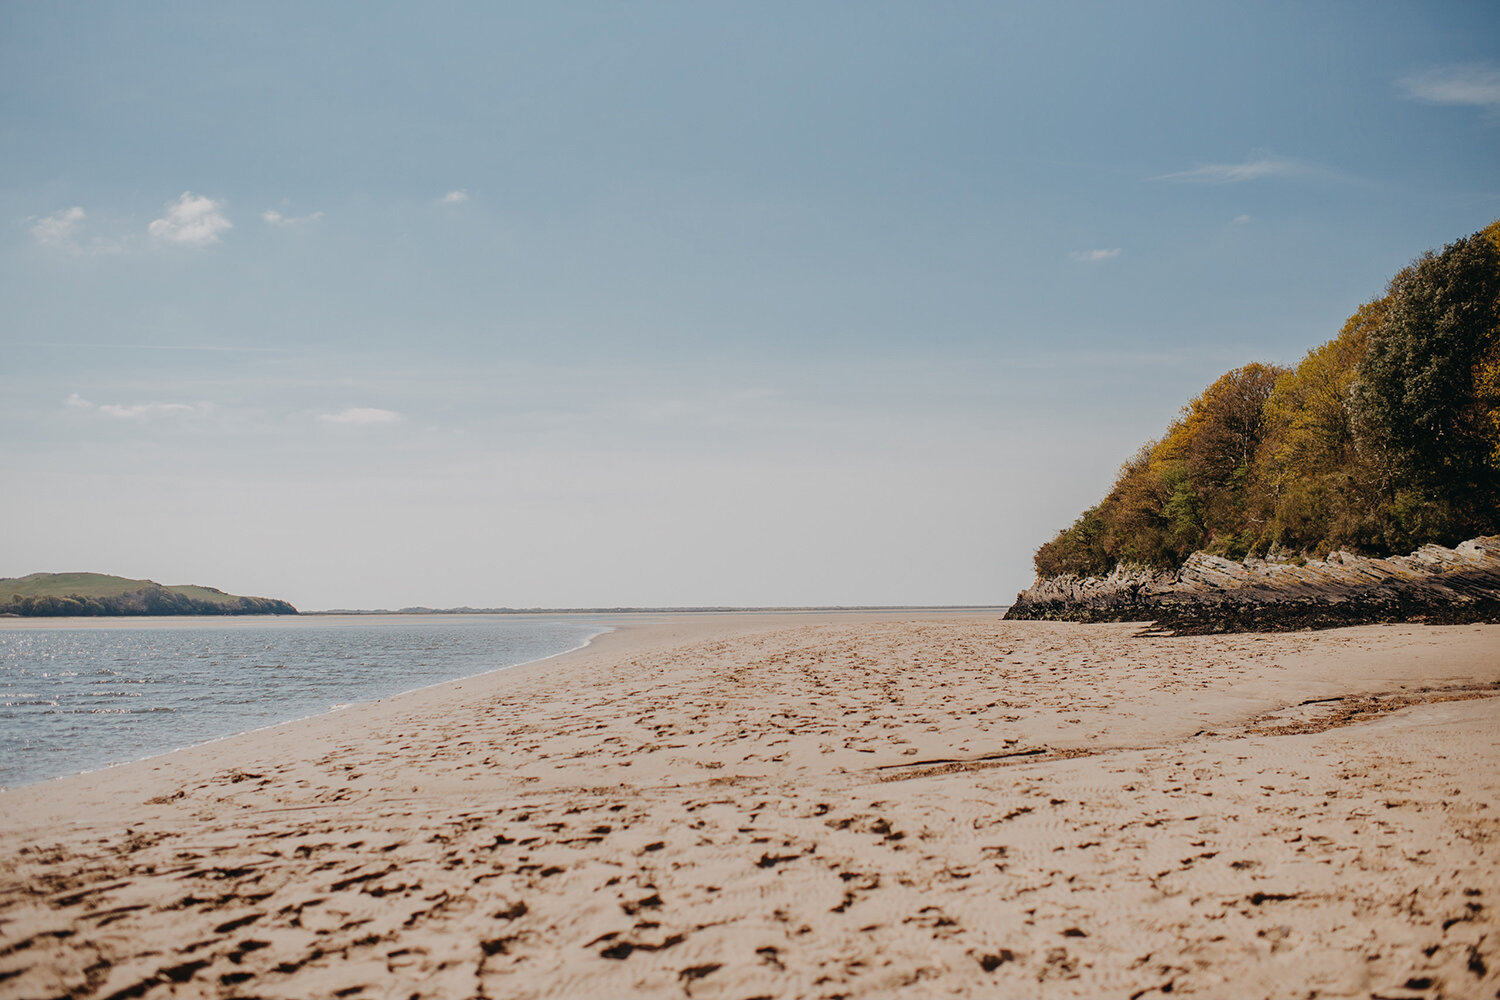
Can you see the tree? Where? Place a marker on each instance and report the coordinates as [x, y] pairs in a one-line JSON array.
[[1487, 376], [1207, 457], [1305, 481], [1384, 438], [1420, 410]]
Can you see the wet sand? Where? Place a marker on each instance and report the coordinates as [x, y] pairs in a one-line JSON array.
[[859, 805]]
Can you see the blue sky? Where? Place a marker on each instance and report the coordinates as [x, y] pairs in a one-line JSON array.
[[600, 304]]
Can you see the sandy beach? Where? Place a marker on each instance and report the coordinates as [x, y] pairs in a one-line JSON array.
[[809, 805]]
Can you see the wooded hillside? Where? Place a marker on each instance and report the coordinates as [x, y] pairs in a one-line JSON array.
[[1384, 439]]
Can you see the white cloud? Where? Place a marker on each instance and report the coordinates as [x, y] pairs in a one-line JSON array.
[[139, 410], [1092, 255], [62, 230], [135, 411], [455, 197], [1233, 173], [59, 228], [275, 218], [361, 416], [191, 220], [1473, 85], [1240, 220]]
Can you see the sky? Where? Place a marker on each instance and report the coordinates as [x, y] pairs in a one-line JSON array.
[[368, 305]]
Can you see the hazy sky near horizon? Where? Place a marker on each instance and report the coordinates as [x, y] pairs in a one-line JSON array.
[[595, 304]]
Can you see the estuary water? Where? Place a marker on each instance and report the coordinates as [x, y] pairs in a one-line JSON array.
[[84, 694]]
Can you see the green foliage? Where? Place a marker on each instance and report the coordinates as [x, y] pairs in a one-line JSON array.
[[1080, 549], [1179, 494], [1419, 406], [1216, 444], [1385, 438]]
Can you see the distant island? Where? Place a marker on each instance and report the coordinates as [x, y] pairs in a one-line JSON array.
[[1278, 497], [90, 594]]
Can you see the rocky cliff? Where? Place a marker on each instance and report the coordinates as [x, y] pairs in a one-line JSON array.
[[1212, 594]]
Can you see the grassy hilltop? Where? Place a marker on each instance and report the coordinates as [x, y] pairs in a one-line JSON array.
[[54, 594]]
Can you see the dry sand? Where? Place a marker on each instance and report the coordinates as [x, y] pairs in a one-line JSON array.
[[741, 806]]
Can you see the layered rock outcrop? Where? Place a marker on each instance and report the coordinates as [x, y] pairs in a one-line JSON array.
[[1212, 594]]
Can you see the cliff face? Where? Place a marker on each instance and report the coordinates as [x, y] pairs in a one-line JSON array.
[[1212, 594]]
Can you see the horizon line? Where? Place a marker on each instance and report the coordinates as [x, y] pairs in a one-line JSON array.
[[669, 609]]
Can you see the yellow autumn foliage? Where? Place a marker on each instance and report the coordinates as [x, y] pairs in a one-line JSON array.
[[1274, 459]]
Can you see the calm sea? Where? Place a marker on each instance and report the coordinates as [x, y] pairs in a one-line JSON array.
[[78, 698]]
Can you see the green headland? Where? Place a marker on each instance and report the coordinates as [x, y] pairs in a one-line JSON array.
[[58, 594]]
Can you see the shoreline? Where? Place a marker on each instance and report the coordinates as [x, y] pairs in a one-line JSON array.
[[322, 617], [691, 624], [423, 697], [308, 620], [303, 718], [789, 805]]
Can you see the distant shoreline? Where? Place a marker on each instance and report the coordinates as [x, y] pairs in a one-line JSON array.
[[312, 619], [673, 610]]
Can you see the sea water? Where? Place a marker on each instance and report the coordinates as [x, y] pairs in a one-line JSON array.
[[80, 696]]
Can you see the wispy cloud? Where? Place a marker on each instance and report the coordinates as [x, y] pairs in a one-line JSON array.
[[361, 416], [59, 229], [1234, 173], [1471, 85], [1085, 256], [275, 218], [191, 220], [63, 230], [105, 346], [136, 411], [455, 197], [1241, 220]]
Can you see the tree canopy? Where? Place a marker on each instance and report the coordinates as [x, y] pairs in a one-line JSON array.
[[1383, 439]]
